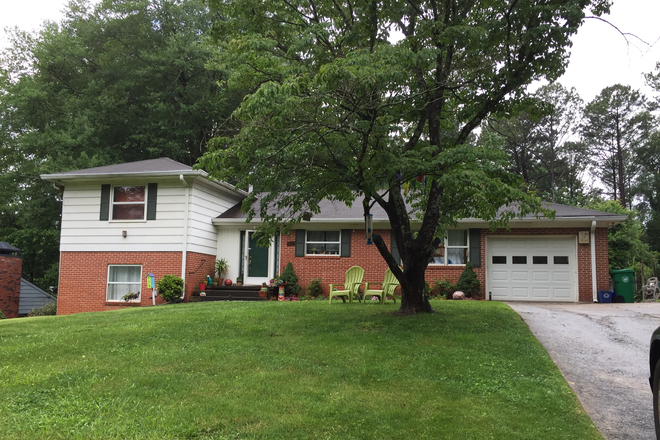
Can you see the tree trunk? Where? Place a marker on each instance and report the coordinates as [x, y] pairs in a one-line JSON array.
[[414, 299]]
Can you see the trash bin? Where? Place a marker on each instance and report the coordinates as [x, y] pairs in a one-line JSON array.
[[605, 296], [623, 284]]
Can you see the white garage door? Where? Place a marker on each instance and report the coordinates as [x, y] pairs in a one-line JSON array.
[[531, 268]]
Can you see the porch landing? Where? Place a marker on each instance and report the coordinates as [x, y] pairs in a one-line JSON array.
[[232, 293]]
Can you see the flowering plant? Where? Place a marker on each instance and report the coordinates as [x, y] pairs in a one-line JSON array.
[[459, 295]]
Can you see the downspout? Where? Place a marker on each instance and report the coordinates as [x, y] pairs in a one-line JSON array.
[[185, 233], [594, 284]]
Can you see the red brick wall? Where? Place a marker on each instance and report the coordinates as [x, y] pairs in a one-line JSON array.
[[198, 267], [331, 269], [84, 276], [10, 285]]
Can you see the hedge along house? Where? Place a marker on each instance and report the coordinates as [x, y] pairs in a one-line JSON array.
[[121, 222]]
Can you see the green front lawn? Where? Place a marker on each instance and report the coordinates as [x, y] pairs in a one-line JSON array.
[[293, 370]]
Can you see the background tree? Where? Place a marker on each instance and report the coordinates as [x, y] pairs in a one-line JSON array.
[[114, 82], [616, 123], [537, 143], [340, 110]]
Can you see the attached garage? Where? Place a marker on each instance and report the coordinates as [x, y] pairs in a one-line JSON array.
[[524, 268]]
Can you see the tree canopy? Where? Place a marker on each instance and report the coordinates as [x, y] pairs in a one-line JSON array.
[[114, 82], [359, 98]]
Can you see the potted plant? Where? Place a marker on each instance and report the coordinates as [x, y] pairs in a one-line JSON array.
[[239, 280], [221, 267]]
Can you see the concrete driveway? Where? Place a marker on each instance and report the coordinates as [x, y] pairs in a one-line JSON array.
[[602, 351]]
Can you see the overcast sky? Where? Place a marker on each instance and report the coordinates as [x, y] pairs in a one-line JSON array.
[[600, 56]]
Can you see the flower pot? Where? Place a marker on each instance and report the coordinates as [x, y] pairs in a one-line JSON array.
[[202, 286]]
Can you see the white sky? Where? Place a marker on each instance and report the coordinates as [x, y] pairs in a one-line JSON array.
[[600, 56]]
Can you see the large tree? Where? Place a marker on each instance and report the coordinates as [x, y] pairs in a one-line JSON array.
[[616, 123], [116, 81], [537, 142], [361, 98]]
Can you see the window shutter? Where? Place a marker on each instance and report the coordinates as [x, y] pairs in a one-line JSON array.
[[300, 242], [105, 203], [345, 242], [475, 247], [395, 250], [152, 195]]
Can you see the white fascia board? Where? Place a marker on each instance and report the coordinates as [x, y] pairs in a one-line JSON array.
[[61, 179]]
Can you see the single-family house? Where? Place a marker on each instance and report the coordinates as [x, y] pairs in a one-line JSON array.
[[122, 222]]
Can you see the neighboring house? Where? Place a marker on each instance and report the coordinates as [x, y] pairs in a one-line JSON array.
[[121, 222], [32, 297], [17, 295]]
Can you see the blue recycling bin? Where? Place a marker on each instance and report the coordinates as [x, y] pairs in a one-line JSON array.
[[605, 296]]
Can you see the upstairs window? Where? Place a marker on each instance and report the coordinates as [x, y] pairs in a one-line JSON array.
[[128, 202]]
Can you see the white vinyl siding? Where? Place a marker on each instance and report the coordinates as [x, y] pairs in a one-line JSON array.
[[207, 203], [82, 231]]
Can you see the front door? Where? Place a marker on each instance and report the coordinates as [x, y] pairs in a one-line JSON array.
[[256, 260]]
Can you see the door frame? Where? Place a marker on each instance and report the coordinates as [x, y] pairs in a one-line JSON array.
[[247, 279]]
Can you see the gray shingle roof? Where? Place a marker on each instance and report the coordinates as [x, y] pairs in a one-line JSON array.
[[162, 165], [331, 210]]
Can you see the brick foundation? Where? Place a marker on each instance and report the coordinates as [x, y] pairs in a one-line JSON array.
[[10, 284], [84, 276]]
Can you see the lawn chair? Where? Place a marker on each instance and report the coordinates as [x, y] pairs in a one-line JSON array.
[[389, 285], [651, 290], [351, 287]]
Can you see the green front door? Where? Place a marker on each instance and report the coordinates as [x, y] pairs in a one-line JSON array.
[[257, 266]]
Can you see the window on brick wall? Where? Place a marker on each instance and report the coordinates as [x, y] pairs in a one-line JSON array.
[[323, 242], [122, 280], [454, 248]]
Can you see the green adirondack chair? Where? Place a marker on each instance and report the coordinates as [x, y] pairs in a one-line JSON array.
[[354, 277], [389, 284]]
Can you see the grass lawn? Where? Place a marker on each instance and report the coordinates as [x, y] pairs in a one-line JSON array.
[[293, 370]]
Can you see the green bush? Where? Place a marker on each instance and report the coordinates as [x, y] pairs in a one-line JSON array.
[[314, 289], [2, 315], [444, 288], [170, 288], [291, 279], [49, 309], [468, 282]]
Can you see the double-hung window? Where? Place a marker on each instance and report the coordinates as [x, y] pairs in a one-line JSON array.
[[123, 279], [129, 202], [454, 249], [323, 242]]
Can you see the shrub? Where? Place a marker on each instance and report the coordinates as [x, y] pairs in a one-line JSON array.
[[49, 309], [314, 289], [469, 283], [445, 288], [170, 288], [291, 279], [2, 315]]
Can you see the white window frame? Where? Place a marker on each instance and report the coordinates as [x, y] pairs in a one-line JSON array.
[[445, 244], [338, 242], [112, 203], [108, 283]]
